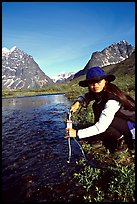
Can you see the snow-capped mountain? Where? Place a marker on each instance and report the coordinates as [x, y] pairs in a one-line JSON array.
[[19, 70], [63, 77], [6, 51], [112, 54]]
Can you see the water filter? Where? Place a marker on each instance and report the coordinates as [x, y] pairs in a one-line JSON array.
[[69, 120]]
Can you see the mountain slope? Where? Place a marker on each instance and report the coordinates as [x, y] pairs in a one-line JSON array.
[[125, 78], [112, 54], [19, 70]]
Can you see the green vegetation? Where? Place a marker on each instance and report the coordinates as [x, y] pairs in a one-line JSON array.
[[113, 178], [33, 92]]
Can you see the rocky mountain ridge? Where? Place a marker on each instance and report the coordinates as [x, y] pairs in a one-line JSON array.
[[112, 54], [19, 70]]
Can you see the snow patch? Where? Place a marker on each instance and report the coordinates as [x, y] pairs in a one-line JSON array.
[[12, 49], [62, 76]]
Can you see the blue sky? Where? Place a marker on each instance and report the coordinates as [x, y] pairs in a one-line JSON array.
[[61, 36]]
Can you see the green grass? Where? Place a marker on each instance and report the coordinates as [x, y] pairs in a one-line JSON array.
[[33, 92], [113, 183]]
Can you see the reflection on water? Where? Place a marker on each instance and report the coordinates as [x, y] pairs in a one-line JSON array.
[[33, 101], [34, 151]]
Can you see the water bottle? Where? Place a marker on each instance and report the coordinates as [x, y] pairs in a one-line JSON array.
[[69, 120]]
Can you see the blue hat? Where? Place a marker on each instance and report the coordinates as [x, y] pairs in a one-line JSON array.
[[95, 74]]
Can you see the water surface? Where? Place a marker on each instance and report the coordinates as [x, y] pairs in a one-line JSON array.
[[34, 151]]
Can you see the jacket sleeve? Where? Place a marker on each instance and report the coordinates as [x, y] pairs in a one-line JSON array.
[[106, 117], [85, 99]]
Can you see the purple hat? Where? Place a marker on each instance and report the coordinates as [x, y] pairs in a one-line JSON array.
[[95, 74]]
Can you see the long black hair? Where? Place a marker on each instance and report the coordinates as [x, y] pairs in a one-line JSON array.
[[127, 101]]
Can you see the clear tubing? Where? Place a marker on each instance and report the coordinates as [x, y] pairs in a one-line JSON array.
[[81, 149]]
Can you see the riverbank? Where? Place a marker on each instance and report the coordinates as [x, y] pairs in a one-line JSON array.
[[6, 93], [32, 95]]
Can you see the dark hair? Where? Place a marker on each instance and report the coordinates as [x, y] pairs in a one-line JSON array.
[[127, 101]]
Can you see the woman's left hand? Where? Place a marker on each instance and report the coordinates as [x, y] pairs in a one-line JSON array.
[[70, 132]]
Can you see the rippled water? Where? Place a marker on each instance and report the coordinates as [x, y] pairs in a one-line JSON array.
[[34, 151]]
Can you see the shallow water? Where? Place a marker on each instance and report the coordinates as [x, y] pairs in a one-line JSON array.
[[34, 151]]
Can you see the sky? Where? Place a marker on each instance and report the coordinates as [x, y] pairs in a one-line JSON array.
[[61, 36]]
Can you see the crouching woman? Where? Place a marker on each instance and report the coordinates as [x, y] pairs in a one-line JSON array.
[[114, 112]]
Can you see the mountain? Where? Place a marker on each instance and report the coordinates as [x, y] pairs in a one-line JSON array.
[[19, 70], [112, 54], [124, 68], [63, 78]]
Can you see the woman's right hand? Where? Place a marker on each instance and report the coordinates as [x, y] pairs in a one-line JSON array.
[[75, 106]]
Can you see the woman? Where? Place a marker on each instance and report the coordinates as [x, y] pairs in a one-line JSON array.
[[114, 112]]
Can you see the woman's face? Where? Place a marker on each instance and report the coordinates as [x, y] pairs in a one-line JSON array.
[[97, 86]]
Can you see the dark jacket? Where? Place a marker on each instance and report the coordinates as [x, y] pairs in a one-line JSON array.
[[99, 104]]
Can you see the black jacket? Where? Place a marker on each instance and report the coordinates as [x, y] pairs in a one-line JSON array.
[[99, 104]]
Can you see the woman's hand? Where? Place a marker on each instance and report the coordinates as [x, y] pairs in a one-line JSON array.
[[70, 132], [75, 106]]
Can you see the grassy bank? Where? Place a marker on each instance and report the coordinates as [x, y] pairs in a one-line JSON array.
[[33, 92]]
